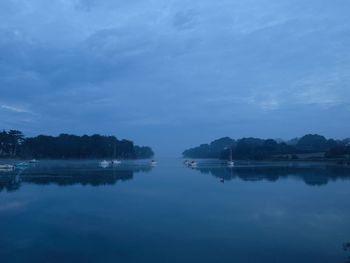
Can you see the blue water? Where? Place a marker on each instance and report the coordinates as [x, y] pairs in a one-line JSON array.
[[75, 211]]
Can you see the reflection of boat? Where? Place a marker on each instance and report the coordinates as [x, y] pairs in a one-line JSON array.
[[153, 163], [104, 164], [22, 165], [6, 167]]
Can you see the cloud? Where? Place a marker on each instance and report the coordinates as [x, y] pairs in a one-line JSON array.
[[184, 20], [154, 64], [15, 109]]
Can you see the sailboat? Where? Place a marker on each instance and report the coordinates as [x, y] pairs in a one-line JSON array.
[[104, 164], [193, 164], [6, 167], [190, 163], [230, 163], [115, 161]]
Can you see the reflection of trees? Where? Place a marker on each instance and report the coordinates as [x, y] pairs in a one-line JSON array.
[[315, 175], [346, 247], [10, 182], [69, 176]]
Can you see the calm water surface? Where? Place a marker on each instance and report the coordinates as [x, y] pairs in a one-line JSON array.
[[255, 212]]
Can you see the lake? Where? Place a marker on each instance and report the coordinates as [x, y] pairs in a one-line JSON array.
[[76, 211]]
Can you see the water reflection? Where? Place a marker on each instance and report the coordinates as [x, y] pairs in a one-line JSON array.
[[311, 174], [62, 173]]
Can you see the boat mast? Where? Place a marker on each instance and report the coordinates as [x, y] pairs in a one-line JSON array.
[[115, 151]]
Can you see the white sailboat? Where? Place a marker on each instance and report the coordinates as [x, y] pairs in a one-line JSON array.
[[230, 163], [104, 164], [6, 167], [115, 161], [193, 164]]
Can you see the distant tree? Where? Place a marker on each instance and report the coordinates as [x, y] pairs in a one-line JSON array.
[[202, 151], [67, 146], [346, 142], [259, 149], [250, 148], [216, 147], [4, 144], [10, 142], [293, 141], [339, 151], [312, 143], [143, 152], [212, 150]]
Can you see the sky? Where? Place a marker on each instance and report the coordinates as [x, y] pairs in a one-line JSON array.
[[174, 74]]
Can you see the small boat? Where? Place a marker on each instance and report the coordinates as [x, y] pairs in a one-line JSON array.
[[104, 164], [230, 163], [115, 162], [193, 164], [6, 167], [190, 163], [153, 163], [33, 161]]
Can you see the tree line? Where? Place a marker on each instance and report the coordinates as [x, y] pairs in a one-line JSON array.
[[13, 144], [260, 149]]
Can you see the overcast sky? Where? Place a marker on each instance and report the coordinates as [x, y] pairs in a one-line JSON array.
[[173, 74]]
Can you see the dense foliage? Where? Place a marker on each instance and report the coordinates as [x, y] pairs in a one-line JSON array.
[[13, 144], [259, 149], [212, 150]]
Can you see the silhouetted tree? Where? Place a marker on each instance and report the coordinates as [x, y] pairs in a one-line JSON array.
[[339, 151], [67, 146], [259, 149], [10, 142]]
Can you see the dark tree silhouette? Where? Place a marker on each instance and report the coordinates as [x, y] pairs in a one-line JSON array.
[[66, 146], [260, 149]]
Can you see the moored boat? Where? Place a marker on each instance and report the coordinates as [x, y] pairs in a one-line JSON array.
[[193, 164], [115, 162], [104, 164], [230, 162], [6, 167]]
